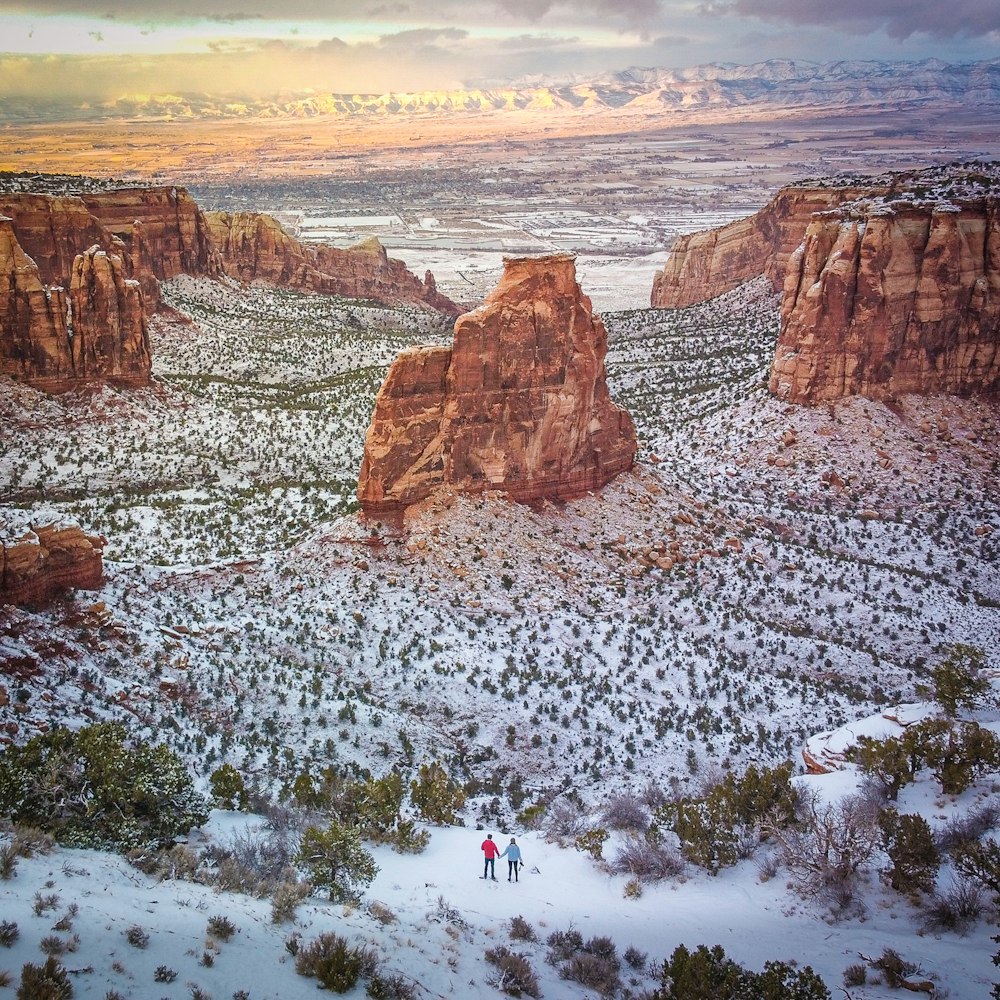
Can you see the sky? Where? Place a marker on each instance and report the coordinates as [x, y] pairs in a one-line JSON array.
[[106, 49]]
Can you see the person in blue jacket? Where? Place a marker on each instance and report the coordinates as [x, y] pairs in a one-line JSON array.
[[513, 855]]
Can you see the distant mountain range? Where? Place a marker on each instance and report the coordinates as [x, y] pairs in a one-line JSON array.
[[771, 85]]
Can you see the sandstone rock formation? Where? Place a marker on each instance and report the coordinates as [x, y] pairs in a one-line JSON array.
[[40, 561], [56, 340], [519, 402], [706, 264], [254, 247], [175, 234], [893, 299]]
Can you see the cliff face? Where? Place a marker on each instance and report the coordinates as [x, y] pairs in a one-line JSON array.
[[704, 265], [518, 403], [903, 299], [173, 229], [52, 230], [56, 340], [254, 247], [45, 560]]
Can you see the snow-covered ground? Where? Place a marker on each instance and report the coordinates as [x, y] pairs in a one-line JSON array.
[[765, 574], [437, 917]]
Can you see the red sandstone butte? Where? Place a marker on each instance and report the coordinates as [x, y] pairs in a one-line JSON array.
[[706, 264], [518, 403], [254, 247], [898, 299]]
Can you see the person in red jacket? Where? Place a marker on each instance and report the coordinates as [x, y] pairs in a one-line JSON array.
[[491, 851]]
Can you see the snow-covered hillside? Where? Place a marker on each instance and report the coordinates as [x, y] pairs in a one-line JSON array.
[[766, 573]]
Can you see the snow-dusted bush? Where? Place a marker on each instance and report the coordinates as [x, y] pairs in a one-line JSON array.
[[91, 788], [337, 861], [521, 930], [335, 964]]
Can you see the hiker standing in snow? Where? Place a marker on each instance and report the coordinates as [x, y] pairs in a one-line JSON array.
[[491, 851], [513, 855]]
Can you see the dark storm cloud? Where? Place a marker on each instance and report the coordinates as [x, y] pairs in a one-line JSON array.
[[898, 18]]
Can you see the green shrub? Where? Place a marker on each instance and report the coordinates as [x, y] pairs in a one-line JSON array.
[[592, 842], [336, 965], [715, 827], [337, 861], [959, 681], [707, 974], [91, 789], [228, 788], [435, 795], [908, 842]]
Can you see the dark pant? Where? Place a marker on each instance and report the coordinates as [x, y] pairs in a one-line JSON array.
[[511, 870], [489, 869]]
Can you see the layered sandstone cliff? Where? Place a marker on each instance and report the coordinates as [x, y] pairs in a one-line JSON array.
[[706, 264], [254, 247], [893, 298], [37, 562], [56, 339], [519, 402]]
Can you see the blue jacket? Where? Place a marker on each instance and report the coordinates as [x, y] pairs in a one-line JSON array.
[[512, 853]]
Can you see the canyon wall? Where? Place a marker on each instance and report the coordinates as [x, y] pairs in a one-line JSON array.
[[519, 403], [56, 339], [894, 299], [706, 264], [37, 562], [254, 247]]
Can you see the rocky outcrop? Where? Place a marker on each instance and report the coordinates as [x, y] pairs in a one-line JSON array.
[[41, 561], [519, 403], [52, 230], [706, 264], [174, 233], [56, 340], [893, 299], [254, 247], [110, 337]]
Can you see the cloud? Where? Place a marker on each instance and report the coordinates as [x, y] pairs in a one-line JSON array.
[[900, 19]]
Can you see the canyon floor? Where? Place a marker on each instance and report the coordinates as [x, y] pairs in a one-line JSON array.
[[766, 572]]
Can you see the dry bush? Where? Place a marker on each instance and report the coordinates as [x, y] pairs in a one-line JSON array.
[[382, 913], [827, 852], [965, 828], [286, 899], [597, 972], [625, 812], [647, 860], [955, 910], [521, 930], [514, 974], [564, 819]]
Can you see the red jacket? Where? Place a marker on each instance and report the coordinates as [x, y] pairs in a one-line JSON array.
[[490, 850]]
